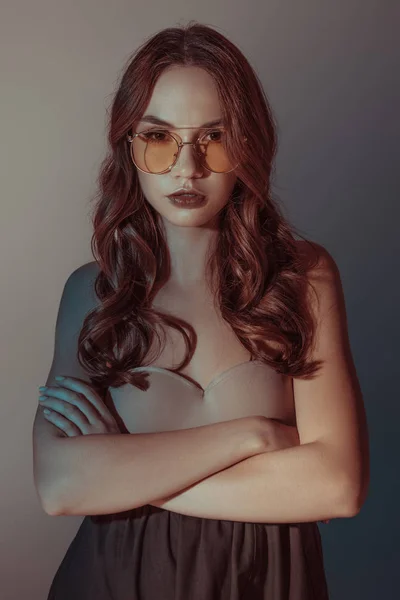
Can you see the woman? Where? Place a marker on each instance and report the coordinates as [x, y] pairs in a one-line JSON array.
[[198, 328]]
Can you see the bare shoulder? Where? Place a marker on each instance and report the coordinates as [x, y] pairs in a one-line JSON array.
[[85, 273], [316, 258], [322, 274], [77, 299], [79, 288]]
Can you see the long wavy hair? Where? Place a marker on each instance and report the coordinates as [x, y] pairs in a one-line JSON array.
[[261, 276]]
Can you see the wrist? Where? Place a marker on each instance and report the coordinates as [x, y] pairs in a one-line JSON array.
[[258, 435]]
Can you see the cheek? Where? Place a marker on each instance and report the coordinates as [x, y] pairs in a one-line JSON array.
[[146, 182], [151, 189], [226, 190]]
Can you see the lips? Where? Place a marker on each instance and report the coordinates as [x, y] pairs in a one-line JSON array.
[[186, 197], [186, 192], [186, 201]]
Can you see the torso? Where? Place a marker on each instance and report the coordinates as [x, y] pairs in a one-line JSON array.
[[217, 347], [178, 401]]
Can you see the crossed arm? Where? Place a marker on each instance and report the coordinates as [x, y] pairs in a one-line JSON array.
[[324, 477], [293, 485]]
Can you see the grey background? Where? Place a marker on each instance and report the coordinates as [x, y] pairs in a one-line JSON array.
[[330, 70]]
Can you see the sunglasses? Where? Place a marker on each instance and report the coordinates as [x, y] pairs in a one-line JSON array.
[[156, 151]]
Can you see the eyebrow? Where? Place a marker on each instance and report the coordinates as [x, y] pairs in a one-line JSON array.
[[156, 121]]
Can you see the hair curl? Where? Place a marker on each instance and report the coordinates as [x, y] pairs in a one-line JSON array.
[[261, 275]]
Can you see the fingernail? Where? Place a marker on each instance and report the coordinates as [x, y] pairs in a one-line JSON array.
[[59, 378], [42, 388]]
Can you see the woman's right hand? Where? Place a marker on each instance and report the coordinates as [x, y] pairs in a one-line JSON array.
[[272, 434], [281, 436]]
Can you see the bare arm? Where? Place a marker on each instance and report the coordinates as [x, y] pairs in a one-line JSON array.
[[102, 474], [97, 474], [294, 485]]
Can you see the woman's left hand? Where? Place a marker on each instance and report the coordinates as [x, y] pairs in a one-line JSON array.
[[77, 409]]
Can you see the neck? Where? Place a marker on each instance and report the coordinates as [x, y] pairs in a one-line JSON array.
[[189, 249]]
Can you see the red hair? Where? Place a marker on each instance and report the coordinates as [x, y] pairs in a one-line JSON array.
[[262, 278]]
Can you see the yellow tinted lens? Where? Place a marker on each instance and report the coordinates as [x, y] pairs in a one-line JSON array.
[[214, 152], [154, 151]]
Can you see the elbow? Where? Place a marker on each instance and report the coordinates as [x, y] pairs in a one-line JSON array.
[[48, 499], [49, 504], [351, 509], [50, 507], [52, 511], [352, 498], [351, 481], [54, 503], [48, 482], [356, 499]]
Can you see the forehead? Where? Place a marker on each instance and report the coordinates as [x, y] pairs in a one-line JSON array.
[[185, 97]]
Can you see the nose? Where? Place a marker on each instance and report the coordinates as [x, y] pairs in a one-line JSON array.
[[188, 162]]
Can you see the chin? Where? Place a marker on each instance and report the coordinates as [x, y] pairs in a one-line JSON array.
[[189, 217]]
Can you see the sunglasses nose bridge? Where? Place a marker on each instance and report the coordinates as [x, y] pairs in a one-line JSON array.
[[180, 146], [194, 144]]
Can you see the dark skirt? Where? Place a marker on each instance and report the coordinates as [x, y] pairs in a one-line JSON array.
[[154, 554]]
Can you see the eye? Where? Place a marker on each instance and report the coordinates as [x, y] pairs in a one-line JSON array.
[[214, 135], [155, 136]]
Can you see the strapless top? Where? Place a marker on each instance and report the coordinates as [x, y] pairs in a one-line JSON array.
[[174, 402]]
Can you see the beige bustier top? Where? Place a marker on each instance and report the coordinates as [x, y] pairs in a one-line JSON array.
[[174, 402]]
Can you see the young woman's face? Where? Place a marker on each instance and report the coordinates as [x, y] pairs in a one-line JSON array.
[[186, 97]]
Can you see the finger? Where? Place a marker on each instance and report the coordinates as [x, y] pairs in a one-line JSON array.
[[81, 387], [75, 399], [62, 423], [67, 412]]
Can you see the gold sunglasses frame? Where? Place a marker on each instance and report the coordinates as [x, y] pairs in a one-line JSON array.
[[180, 143]]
